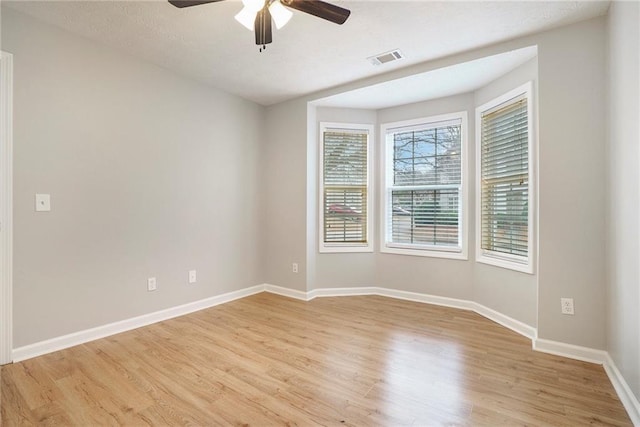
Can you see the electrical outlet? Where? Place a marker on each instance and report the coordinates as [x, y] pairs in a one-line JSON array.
[[566, 305], [151, 284], [294, 267], [192, 276]]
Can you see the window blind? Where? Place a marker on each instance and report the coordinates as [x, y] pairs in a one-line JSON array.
[[505, 179], [424, 198], [345, 180]]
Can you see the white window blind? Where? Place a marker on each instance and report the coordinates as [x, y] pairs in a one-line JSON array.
[[424, 186], [504, 177], [345, 183]]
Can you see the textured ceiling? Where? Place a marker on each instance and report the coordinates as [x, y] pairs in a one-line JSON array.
[[205, 42], [439, 83]]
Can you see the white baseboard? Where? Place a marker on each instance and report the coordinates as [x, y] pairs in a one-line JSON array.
[[425, 298], [625, 394], [571, 351], [286, 292], [65, 341], [601, 357], [628, 399], [341, 292], [81, 337], [506, 321]]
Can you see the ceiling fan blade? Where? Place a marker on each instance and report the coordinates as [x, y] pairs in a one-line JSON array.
[[189, 3], [321, 9], [263, 28]]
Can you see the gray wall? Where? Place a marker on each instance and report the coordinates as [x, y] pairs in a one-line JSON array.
[[571, 72], [571, 88], [434, 276], [408, 273], [623, 251], [334, 270], [509, 292], [283, 174], [153, 175], [149, 175]]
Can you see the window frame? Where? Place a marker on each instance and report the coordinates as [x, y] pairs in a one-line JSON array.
[[386, 183], [498, 259], [345, 247]]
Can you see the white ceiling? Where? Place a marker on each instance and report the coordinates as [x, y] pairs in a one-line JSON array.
[[309, 54], [460, 78]]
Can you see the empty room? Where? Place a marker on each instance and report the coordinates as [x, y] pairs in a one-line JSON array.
[[300, 212]]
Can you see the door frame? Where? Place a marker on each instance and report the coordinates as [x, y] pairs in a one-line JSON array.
[[6, 207]]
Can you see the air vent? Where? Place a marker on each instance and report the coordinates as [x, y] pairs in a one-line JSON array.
[[386, 57]]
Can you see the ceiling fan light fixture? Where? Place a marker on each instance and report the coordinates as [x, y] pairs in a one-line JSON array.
[[247, 18], [280, 14], [258, 16]]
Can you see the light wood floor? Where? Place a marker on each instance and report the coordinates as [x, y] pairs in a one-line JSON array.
[[267, 360]]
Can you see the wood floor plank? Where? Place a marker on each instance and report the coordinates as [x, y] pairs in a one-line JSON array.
[[348, 361]]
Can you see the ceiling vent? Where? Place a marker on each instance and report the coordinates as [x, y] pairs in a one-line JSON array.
[[386, 57]]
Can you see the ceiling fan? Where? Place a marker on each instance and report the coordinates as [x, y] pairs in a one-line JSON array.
[[257, 14]]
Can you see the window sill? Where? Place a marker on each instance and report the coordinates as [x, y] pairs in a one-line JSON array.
[[443, 253], [328, 249], [497, 261]]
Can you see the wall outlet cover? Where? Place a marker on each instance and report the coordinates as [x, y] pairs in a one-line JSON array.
[[566, 305], [43, 202]]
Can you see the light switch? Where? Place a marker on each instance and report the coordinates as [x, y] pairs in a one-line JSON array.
[[43, 202]]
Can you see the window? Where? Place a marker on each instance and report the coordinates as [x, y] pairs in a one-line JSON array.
[[346, 202], [423, 189], [505, 181]]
